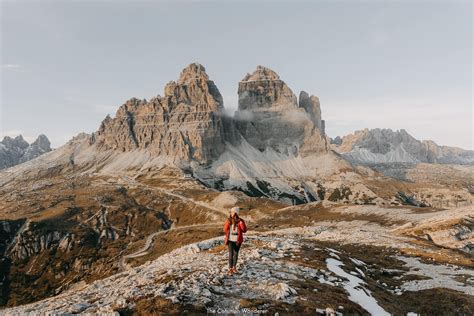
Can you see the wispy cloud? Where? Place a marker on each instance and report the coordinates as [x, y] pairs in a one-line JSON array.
[[12, 67]]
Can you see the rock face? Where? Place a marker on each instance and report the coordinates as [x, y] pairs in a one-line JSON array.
[[263, 89], [40, 146], [184, 124], [312, 106], [187, 123], [387, 146], [269, 115], [16, 150], [268, 137]]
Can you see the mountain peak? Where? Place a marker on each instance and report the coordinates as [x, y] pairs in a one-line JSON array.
[[263, 89], [262, 73], [42, 142], [17, 150], [184, 125], [18, 141], [192, 72], [384, 145]]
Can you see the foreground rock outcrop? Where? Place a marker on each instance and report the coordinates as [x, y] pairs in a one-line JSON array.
[[307, 269]]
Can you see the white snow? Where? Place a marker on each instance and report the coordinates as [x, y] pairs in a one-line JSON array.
[[357, 293], [439, 275]]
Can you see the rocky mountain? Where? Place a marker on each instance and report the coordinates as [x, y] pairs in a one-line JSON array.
[[154, 184], [184, 124], [386, 146], [272, 140], [16, 150], [187, 128], [269, 115]]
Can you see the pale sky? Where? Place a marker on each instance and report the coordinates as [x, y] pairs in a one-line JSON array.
[[395, 64]]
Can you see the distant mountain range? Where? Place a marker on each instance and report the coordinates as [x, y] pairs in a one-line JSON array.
[[273, 142], [377, 146], [16, 150]]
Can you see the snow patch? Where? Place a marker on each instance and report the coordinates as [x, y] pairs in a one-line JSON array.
[[357, 293]]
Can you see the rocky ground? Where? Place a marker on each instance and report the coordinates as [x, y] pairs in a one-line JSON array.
[[311, 269], [363, 262]]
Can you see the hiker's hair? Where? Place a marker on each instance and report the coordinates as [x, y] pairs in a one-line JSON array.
[[232, 220]]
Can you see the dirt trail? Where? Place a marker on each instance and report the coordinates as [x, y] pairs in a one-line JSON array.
[[149, 243], [130, 181]]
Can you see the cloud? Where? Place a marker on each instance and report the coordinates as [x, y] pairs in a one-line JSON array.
[[243, 115], [12, 67], [298, 116]]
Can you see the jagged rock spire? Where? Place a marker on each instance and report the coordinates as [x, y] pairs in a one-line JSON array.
[[313, 108], [184, 124], [264, 89], [193, 72], [269, 116]]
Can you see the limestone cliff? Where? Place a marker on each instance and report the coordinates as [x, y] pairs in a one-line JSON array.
[[269, 115], [185, 123]]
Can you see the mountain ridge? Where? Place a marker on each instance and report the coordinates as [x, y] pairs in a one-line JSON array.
[[382, 145], [16, 150]]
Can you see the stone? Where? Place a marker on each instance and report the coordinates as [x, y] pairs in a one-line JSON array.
[[40, 146], [184, 124], [16, 150], [268, 115], [388, 146], [312, 106]]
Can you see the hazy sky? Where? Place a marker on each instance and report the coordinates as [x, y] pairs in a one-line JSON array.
[[397, 64]]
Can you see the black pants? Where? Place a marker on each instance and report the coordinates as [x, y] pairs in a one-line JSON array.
[[233, 253]]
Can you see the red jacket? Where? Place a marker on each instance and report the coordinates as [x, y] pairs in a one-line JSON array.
[[241, 228]]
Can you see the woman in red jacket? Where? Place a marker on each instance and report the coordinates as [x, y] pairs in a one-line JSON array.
[[234, 228]]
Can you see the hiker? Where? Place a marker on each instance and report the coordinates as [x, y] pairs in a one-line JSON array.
[[234, 228]]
